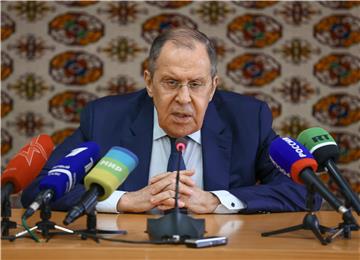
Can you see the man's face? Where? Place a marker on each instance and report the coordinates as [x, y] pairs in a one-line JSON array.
[[181, 108]]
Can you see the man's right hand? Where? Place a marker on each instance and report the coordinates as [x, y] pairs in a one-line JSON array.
[[156, 193]]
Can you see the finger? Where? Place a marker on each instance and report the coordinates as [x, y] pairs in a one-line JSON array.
[[167, 206], [168, 179], [163, 207], [167, 174], [164, 197], [183, 189], [187, 172], [171, 178], [159, 177], [160, 185], [187, 180], [181, 204]]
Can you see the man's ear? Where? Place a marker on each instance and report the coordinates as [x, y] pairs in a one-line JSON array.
[[215, 82], [148, 83]]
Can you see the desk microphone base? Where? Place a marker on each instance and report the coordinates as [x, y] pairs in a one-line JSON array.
[[175, 227]]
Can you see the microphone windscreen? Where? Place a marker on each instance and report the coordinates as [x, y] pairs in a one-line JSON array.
[[180, 144], [320, 143], [290, 157], [71, 169], [112, 170], [28, 162]]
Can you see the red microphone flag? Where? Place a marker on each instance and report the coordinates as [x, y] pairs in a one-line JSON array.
[[25, 165]]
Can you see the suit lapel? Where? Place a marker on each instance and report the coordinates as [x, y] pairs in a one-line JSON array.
[[216, 147], [139, 141]]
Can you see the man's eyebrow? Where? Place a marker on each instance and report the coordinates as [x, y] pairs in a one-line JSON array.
[[199, 79], [169, 75], [166, 76]]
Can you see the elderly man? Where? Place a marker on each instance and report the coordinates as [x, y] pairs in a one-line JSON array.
[[226, 166]]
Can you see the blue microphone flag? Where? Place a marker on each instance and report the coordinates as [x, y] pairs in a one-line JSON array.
[[71, 169], [290, 157]]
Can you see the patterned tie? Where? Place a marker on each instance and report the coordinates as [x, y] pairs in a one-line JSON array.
[[173, 166], [174, 157]]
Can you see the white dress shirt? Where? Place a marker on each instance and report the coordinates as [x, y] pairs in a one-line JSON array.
[[193, 160]]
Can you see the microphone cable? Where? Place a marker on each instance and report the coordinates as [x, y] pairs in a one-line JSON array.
[[20, 235], [29, 231], [34, 237], [157, 242]]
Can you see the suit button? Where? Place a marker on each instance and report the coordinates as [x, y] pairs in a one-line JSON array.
[[232, 204]]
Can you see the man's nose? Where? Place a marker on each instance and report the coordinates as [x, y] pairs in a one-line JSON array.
[[183, 96]]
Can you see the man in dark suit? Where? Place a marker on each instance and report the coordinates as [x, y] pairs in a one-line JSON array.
[[227, 162]]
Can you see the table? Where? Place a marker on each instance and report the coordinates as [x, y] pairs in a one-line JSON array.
[[243, 232]]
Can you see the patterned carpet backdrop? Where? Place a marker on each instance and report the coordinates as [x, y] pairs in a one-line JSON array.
[[302, 58]]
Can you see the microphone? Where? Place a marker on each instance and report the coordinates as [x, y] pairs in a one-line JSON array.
[[107, 175], [296, 162], [69, 171], [25, 165], [176, 226], [180, 145], [325, 150]]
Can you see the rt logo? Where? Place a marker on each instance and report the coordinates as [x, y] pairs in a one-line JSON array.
[[320, 138]]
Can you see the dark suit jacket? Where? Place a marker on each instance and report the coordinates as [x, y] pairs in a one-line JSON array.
[[235, 138]]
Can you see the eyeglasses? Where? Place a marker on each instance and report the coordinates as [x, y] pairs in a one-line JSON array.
[[172, 85]]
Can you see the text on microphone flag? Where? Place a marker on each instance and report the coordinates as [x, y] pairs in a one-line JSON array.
[[291, 157]]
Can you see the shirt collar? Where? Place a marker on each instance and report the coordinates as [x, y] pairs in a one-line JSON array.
[[159, 132]]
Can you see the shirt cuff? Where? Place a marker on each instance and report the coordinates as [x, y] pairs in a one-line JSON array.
[[229, 203], [110, 204]]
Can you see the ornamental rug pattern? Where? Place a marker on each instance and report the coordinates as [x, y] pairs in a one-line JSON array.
[[302, 58]]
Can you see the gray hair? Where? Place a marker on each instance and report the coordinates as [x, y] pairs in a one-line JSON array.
[[182, 37]]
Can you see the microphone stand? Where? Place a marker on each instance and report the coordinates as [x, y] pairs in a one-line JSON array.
[[349, 223], [91, 229], [87, 205], [45, 225], [175, 226], [310, 221], [6, 224]]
